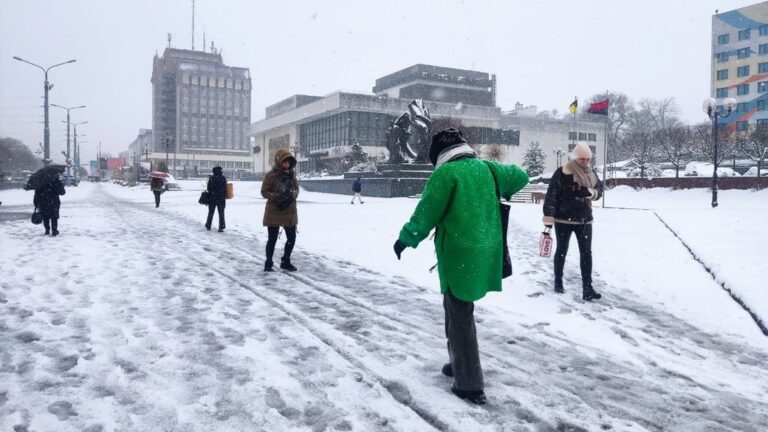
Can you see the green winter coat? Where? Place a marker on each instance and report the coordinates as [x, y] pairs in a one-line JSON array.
[[460, 201]]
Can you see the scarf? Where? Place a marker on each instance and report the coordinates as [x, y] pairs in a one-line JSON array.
[[583, 177], [454, 152]]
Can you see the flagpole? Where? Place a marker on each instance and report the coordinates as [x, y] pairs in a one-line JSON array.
[[575, 128], [605, 156]]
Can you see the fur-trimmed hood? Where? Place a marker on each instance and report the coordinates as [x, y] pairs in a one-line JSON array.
[[281, 156]]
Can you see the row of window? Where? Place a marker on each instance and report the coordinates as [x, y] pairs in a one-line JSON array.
[[743, 126], [741, 71], [582, 136], [745, 34], [344, 129], [742, 89], [742, 53]]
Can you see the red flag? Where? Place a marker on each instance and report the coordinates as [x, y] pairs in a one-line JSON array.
[[599, 107]]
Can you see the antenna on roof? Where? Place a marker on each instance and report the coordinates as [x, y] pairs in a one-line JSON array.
[[193, 25], [169, 40], [203, 41]]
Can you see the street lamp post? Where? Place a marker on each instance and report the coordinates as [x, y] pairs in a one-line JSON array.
[[559, 152], [167, 143], [46, 87], [68, 123], [712, 110]]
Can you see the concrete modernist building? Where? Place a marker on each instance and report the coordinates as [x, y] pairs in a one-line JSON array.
[[142, 145], [556, 136], [200, 112], [740, 64], [321, 128]]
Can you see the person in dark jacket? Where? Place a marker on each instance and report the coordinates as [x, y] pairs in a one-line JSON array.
[[157, 186], [568, 206], [357, 189], [281, 188], [47, 202], [217, 198]]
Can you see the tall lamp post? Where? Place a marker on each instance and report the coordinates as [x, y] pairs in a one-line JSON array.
[[713, 111], [559, 153], [68, 123], [46, 87]]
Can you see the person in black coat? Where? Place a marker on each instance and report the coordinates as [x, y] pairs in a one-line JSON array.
[[217, 198], [568, 206], [47, 202], [357, 189], [157, 186]]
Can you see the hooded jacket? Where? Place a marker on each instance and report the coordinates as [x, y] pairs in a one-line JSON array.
[[217, 188], [276, 183]]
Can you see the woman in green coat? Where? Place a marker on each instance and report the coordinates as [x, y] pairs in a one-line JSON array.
[[460, 202]]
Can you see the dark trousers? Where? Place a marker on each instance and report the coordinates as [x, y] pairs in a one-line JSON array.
[[213, 207], [290, 241], [584, 240], [49, 223], [462, 343], [157, 198]]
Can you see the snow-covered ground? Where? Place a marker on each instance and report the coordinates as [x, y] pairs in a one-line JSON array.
[[136, 318]]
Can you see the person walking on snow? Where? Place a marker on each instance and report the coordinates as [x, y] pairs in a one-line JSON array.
[[568, 205], [156, 185], [47, 201], [217, 198], [281, 188], [357, 189], [460, 202]]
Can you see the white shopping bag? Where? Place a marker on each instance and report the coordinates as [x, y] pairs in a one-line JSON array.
[[545, 244]]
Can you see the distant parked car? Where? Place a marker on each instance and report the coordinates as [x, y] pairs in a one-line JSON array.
[[752, 172], [69, 180], [170, 183]]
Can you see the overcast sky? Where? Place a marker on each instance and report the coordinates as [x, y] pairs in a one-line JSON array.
[[543, 52]]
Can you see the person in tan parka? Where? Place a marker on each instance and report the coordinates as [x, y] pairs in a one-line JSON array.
[[281, 189]]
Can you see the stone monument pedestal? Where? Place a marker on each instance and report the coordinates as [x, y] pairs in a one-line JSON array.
[[391, 181]]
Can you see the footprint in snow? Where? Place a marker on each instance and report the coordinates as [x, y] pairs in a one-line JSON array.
[[62, 410]]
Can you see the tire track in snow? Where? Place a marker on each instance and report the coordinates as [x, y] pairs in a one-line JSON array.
[[564, 384], [759, 322], [393, 388]]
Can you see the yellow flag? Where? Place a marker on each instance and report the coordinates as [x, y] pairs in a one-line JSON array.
[[574, 105]]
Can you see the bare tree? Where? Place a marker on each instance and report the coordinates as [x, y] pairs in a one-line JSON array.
[[15, 156], [675, 146], [757, 146], [494, 152], [640, 145], [663, 113], [620, 111], [703, 146]]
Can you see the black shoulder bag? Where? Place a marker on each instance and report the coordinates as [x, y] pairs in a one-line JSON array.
[[506, 262]]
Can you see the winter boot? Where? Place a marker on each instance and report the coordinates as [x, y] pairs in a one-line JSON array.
[[268, 266], [55, 232], [285, 264], [208, 227], [476, 397], [559, 286], [47, 232], [221, 229], [447, 370], [590, 294]]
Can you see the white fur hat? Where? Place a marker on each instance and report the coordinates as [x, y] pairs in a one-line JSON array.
[[582, 151]]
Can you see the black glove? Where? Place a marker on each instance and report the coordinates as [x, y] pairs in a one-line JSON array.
[[284, 200], [583, 192], [399, 248]]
